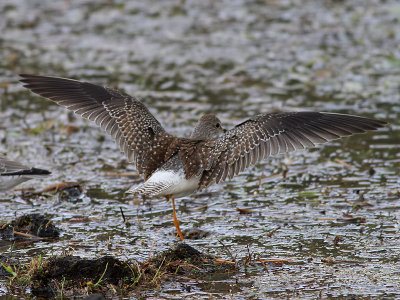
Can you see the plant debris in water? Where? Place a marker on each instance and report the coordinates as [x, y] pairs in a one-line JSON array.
[[67, 191]]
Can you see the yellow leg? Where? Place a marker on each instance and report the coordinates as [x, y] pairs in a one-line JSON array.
[[176, 222]]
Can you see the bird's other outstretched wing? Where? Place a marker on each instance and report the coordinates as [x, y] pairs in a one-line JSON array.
[[125, 118], [7, 165], [273, 133], [13, 173]]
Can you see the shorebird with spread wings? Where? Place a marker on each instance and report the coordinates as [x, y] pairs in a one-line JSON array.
[[174, 166]]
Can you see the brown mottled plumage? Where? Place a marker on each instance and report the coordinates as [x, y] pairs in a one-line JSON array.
[[273, 133]]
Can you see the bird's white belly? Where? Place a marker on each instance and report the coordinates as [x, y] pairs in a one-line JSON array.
[[168, 182]]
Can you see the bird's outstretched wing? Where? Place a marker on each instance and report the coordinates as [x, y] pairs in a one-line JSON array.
[[125, 118], [272, 133], [13, 173], [7, 165]]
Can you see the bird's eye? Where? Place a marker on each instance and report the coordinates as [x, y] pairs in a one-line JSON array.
[[218, 125]]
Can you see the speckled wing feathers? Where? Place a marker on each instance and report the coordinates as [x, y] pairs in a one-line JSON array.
[[125, 118], [195, 155], [274, 133]]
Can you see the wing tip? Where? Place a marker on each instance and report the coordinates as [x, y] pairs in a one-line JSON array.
[[25, 78]]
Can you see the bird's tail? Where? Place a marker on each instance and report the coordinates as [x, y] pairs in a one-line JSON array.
[[150, 188]]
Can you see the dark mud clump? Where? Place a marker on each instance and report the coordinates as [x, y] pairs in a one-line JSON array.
[[7, 232], [70, 193], [29, 226], [77, 272], [37, 225], [76, 268], [73, 276], [82, 275], [185, 260]]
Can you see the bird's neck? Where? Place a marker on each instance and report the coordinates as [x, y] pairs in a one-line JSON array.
[[198, 134]]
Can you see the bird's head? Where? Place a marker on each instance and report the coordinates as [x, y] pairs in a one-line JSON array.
[[208, 127]]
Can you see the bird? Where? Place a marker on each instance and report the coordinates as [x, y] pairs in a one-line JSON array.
[[175, 167], [13, 173]]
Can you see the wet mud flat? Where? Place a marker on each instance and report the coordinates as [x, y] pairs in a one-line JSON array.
[[183, 269], [322, 223]]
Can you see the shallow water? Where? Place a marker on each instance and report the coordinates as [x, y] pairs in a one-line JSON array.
[[235, 59]]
